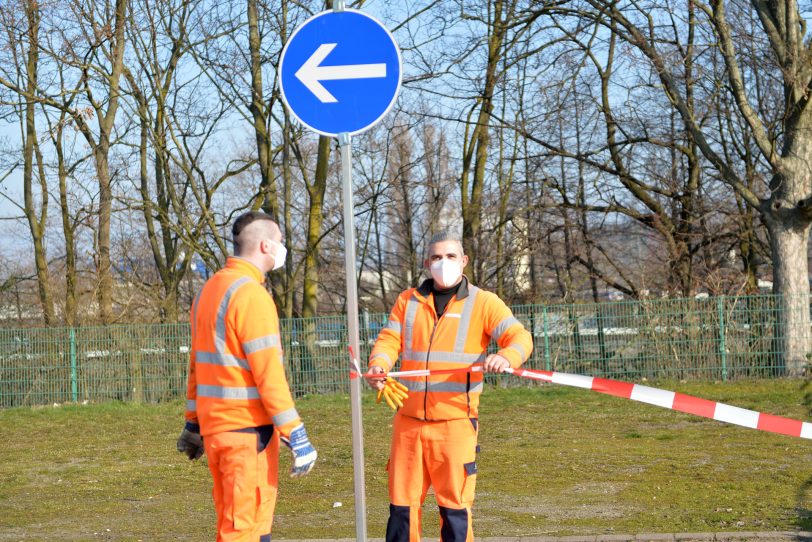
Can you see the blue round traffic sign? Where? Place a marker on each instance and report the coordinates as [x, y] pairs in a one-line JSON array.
[[340, 72]]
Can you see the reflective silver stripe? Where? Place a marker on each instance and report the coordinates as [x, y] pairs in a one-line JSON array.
[[411, 355], [413, 385], [465, 320], [223, 392], [383, 356], [503, 326], [268, 341], [191, 405], [287, 416], [220, 337], [436, 356], [408, 322], [448, 387], [518, 348], [223, 360], [394, 325]]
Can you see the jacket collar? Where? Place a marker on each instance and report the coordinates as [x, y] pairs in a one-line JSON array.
[[245, 267], [462, 288]]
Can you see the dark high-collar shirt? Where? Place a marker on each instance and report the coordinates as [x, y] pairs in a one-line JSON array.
[[443, 295]]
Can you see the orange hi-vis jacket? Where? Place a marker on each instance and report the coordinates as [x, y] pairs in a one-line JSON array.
[[236, 372], [459, 338]]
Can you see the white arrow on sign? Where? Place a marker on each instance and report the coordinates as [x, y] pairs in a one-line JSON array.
[[311, 72]]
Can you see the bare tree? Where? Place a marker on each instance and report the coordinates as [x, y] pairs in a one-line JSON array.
[[72, 219], [23, 36], [507, 24], [315, 192], [100, 62], [785, 203], [152, 82]]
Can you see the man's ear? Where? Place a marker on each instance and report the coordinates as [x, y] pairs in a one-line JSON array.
[[464, 261]]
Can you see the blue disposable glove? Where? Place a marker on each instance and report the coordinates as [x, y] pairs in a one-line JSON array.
[[190, 442], [304, 454]]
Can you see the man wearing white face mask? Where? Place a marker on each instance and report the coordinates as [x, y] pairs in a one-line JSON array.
[[238, 402], [445, 323]]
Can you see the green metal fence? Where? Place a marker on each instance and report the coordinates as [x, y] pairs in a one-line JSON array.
[[712, 338]]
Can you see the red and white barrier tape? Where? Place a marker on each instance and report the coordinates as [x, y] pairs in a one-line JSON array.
[[355, 369], [645, 394]]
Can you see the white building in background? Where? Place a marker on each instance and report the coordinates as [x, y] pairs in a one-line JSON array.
[[765, 285]]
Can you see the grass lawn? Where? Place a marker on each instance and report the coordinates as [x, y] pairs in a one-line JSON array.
[[555, 461]]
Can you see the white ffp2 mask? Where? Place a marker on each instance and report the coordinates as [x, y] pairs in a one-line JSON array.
[[445, 272], [279, 257]]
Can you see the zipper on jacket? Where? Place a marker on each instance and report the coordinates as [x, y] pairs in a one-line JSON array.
[[468, 392], [428, 355]]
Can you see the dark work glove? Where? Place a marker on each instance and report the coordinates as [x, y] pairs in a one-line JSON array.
[[190, 442]]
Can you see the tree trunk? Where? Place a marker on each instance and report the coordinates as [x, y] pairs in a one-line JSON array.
[[36, 220], [281, 289], [309, 352], [685, 202], [401, 174], [104, 292], [159, 207], [789, 243], [71, 306], [170, 272], [310, 305], [287, 280], [480, 139], [380, 263], [268, 199], [788, 218], [170, 311], [748, 242], [101, 154]]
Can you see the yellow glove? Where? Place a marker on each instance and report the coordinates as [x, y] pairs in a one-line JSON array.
[[394, 392]]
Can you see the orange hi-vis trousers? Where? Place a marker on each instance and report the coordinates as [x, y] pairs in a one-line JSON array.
[[441, 454], [244, 467]]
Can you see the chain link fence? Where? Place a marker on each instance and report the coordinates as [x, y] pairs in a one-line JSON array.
[[714, 338]]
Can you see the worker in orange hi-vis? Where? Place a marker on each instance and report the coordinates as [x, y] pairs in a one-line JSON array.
[[238, 402], [445, 323]]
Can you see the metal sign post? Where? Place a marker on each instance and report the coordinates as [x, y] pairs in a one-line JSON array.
[[352, 319], [339, 74]]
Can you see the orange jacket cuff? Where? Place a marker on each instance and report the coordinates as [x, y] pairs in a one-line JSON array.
[[512, 355], [284, 430]]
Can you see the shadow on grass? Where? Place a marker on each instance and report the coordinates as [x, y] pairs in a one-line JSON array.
[[802, 509]]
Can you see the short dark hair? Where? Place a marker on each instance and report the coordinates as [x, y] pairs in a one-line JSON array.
[[243, 221]]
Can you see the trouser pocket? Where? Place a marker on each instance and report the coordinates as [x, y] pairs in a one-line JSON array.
[[469, 485], [245, 491]]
